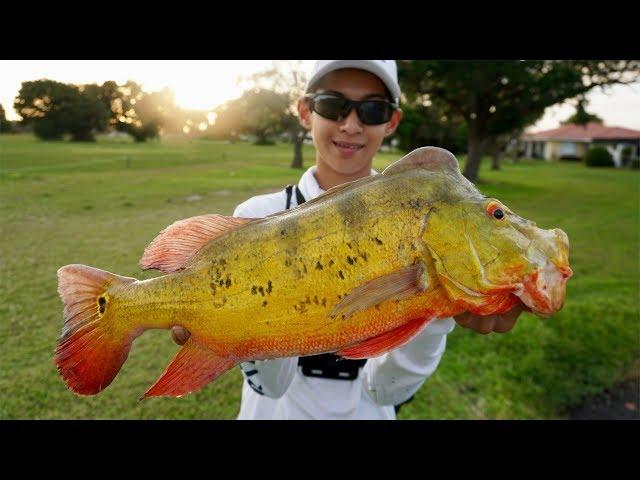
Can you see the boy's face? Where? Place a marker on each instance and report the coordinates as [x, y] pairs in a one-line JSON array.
[[347, 147]]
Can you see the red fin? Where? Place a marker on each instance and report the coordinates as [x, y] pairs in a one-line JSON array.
[[404, 283], [192, 368], [387, 341], [93, 345], [176, 244]]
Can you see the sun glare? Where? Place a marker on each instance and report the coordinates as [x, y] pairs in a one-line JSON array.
[[196, 84]]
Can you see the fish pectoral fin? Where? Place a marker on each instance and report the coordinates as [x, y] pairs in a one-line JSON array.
[[192, 368], [176, 244], [398, 285], [387, 341]]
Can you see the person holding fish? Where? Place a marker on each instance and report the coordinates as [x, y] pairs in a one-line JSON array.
[[337, 308], [349, 106]]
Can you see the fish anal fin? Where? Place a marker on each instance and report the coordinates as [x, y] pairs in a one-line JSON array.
[[175, 245], [398, 285], [380, 344], [191, 369]]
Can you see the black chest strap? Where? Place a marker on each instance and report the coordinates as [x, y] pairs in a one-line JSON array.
[[299, 197]]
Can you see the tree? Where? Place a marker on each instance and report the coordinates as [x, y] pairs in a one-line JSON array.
[[55, 109], [496, 98], [258, 112], [132, 110], [287, 78], [5, 125], [581, 116], [228, 123], [424, 123], [265, 114], [141, 114]]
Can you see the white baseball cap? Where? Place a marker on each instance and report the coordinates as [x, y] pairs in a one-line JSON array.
[[385, 70]]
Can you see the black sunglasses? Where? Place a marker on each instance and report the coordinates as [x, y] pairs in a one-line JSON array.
[[337, 108]]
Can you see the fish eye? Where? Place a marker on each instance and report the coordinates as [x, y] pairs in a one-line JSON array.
[[494, 210]]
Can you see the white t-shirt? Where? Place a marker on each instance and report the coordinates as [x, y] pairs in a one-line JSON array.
[[277, 389]]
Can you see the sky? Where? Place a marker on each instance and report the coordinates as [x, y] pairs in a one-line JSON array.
[[205, 84]]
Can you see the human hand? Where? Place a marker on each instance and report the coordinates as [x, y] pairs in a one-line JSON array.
[[180, 334], [500, 323]]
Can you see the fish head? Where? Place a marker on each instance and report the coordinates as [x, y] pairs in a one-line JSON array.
[[489, 259]]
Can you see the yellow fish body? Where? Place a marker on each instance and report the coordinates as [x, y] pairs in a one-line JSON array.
[[359, 271]]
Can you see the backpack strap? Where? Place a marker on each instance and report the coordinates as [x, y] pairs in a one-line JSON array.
[[299, 197], [288, 189]]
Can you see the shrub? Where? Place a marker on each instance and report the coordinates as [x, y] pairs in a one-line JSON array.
[[626, 156], [598, 157]]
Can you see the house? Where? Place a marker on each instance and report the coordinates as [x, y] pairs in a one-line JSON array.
[[571, 141]]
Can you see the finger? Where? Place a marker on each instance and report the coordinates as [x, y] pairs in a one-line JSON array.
[[514, 313], [180, 334], [484, 325], [464, 318], [504, 324]]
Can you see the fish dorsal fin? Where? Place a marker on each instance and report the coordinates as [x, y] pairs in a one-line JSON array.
[[395, 338], [176, 244], [404, 283], [428, 158], [192, 368]]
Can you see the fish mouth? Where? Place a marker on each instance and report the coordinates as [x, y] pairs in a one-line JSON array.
[[543, 291]]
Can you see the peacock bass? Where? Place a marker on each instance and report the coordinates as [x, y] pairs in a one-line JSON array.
[[359, 270]]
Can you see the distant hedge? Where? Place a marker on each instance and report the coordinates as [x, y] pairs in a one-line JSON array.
[[598, 157]]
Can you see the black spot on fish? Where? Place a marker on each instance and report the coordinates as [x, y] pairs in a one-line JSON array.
[[283, 232], [261, 290], [330, 262], [364, 256], [378, 241], [318, 266], [269, 287], [254, 290], [307, 301], [315, 299], [102, 302], [213, 288], [228, 281], [413, 246], [304, 267], [340, 274], [287, 262], [339, 297], [348, 244], [351, 260], [324, 302], [301, 307], [221, 282], [264, 304]]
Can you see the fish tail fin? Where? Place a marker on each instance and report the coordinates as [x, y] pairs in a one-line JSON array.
[[93, 344]]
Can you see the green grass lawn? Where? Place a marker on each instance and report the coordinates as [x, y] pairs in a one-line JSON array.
[[101, 204]]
